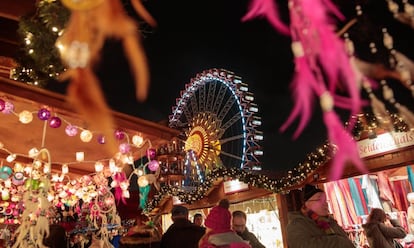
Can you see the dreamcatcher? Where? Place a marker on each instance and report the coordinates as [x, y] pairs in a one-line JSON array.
[[34, 220], [102, 215], [90, 24]]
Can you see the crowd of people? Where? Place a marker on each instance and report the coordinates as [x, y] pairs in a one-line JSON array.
[[221, 229], [311, 226]]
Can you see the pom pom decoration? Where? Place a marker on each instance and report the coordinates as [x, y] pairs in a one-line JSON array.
[[90, 24]]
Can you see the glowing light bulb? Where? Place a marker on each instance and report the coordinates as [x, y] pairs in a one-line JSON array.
[[98, 166], [65, 169], [86, 136], [25, 117], [142, 181], [137, 140], [33, 152], [71, 130], [46, 169], [11, 158], [80, 156]]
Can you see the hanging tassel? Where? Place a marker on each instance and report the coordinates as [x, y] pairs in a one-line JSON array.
[[346, 148], [119, 178], [302, 92], [86, 96], [406, 115], [143, 196], [378, 108], [269, 10]]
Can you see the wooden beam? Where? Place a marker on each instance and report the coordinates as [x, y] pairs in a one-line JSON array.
[[14, 9], [56, 100]]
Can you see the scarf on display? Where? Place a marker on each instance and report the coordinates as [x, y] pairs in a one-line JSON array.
[[321, 221]]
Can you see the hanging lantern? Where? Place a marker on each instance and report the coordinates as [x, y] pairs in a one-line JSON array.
[[137, 140], [18, 178], [25, 117], [86, 136], [101, 139], [65, 169], [33, 152], [11, 158], [124, 148], [5, 195], [5, 172], [119, 134], [142, 181], [80, 156], [151, 153], [71, 130], [153, 165], [2, 104], [8, 108], [55, 122], [43, 114], [99, 166]]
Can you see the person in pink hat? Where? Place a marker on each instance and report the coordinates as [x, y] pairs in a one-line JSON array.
[[219, 233]]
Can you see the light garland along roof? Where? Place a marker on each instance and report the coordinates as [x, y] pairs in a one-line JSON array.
[[19, 138]]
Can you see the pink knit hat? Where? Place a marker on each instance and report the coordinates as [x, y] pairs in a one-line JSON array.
[[219, 219]]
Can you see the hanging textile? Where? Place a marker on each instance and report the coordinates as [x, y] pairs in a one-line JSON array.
[[401, 189], [362, 195], [334, 204], [384, 187], [410, 177], [371, 192], [350, 209], [358, 201], [341, 203]]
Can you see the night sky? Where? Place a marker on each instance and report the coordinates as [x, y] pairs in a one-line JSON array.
[[193, 36]]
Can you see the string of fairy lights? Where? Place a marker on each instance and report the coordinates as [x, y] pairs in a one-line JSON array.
[[293, 177], [53, 25]]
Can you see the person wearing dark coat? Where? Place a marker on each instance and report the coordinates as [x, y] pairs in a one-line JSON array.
[[312, 226], [182, 233], [381, 230], [57, 237], [239, 225]]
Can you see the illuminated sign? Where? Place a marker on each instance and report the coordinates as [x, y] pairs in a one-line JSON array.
[[385, 143], [234, 186]]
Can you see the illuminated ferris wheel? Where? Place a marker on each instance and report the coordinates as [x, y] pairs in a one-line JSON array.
[[219, 121]]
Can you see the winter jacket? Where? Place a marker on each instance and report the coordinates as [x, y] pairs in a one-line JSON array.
[[302, 232], [380, 235], [249, 236], [182, 234]]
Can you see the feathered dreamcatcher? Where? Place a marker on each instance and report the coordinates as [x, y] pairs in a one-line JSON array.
[[322, 67], [90, 24], [35, 217]]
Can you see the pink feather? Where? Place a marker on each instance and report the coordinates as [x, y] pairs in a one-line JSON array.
[[346, 148], [269, 10], [302, 95]]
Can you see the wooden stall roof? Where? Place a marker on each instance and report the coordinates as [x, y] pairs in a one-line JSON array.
[[385, 161], [19, 138]]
